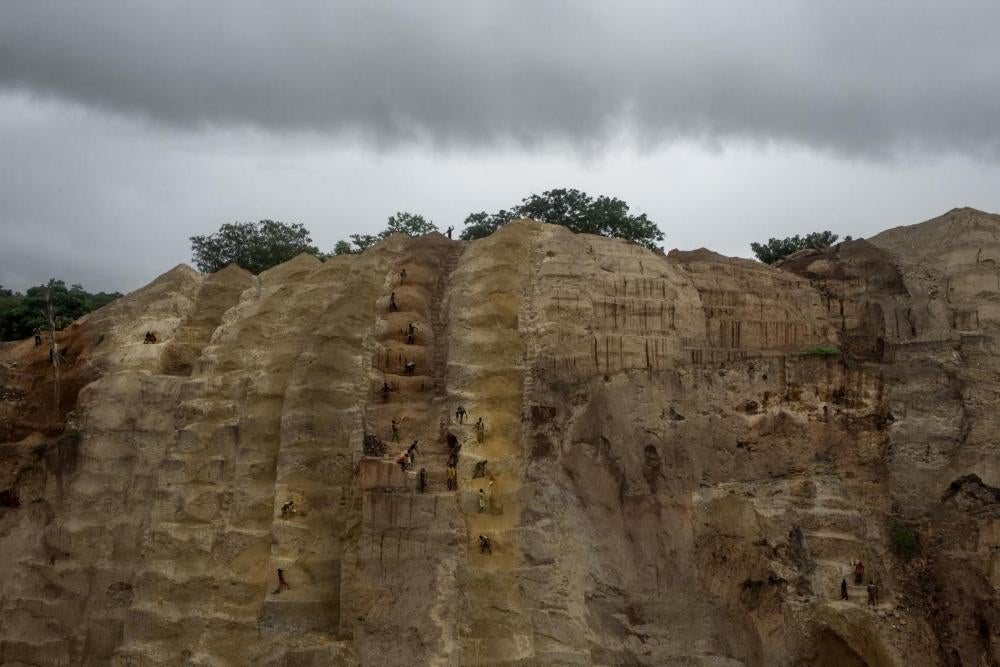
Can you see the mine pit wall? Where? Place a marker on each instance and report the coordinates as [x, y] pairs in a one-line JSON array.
[[73, 588], [654, 432], [285, 383], [486, 374], [321, 429], [645, 508]]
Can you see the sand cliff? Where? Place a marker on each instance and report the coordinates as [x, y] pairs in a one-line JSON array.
[[671, 479]]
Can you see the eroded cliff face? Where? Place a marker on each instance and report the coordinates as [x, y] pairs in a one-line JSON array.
[[671, 478]]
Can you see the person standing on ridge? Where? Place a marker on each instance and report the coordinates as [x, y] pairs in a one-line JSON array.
[[460, 414], [449, 231], [480, 430]]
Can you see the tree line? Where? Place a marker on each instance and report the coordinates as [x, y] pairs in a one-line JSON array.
[[21, 315], [259, 246]]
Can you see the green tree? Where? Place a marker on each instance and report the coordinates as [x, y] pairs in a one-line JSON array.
[[574, 209], [776, 249], [254, 246], [411, 224]]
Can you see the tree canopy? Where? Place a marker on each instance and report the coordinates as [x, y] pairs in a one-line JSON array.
[[606, 216], [776, 249], [21, 314], [254, 246], [411, 224]]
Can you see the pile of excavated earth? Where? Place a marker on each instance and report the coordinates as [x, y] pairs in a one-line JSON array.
[[687, 457]]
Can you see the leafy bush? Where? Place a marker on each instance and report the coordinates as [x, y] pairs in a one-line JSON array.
[[904, 540], [821, 351], [776, 249]]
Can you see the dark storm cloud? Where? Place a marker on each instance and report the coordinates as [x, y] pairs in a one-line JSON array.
[[856, 77]]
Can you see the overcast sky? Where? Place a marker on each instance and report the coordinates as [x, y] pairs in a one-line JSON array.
[[127, 127]]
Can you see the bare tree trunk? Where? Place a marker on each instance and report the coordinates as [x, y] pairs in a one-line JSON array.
[[54, 347]]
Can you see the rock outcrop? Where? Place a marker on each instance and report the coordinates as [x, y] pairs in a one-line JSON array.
[[687, 454]]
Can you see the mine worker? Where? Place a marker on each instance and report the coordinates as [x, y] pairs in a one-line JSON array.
[[411, 334], [409, 368], [449, 231], [871, 594], [442, 429], [402, 276], [453, 457], [843, 589], [485, 545], [452, 478], [403, 461], [480, 469], [411, 451], [395, 430], [393, 306], [282, 584], [460, 414], [859, 573], [288, 508], [482, 500], [38, 337], [385, 391], [480, 430], [422, 480], [452, 441]]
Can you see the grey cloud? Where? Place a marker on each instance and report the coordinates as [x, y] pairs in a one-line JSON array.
[[854, 77]]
